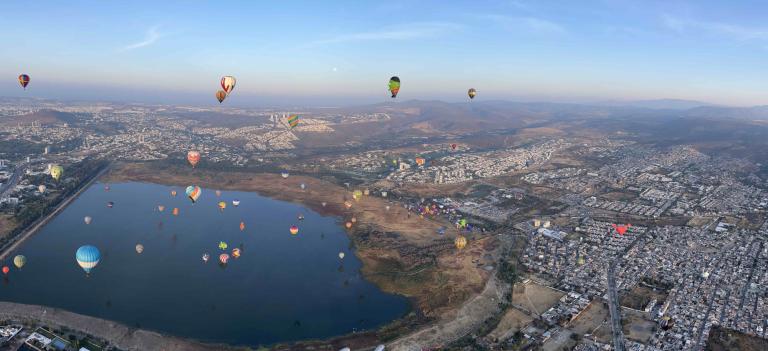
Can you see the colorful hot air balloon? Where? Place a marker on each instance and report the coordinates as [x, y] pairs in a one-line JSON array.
[[41, 188], [341, 255], [161, 208], [223, 245], [173, 192], [193, 192], [221, 95], [19, 261], [88, 257], [235, 202], [294, 230], [222, 205], [453, 146], [6, 270], [242, 226], [206, 257], [236, 253], [175, 211], [139, 248], [56, 172], [223, 258], [24, 81], [193, 157], [228, 83], [394, 86], [420, 161], [460, 242], [472, 92], [87, 219]]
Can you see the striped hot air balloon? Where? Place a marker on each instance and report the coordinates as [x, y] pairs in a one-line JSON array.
[[293, 121], [294, 230], [223, 258], [88, 256], [228, 83]]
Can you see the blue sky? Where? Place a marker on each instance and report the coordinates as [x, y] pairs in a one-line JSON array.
[[343, 52]]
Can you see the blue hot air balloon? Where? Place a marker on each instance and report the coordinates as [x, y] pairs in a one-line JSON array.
[[88, 257]]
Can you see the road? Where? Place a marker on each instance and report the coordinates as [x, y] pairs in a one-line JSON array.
[[8, 186], [614, 309]]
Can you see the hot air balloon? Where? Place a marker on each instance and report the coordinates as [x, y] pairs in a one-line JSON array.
[[87, 219], [218, 193], [347, 204], [348, 225], [223, 258], [341, 255], [193, 192], [293, 121], [41, 188], [193, 157], [173, 192], [206, 257], [386, 207], [6, 270], [235, 202], [88, 257], [110, 204], [357, 194], [453, 146], [394, 86], [24, 81], [221, 95], [323, 203], [303, 186], [460, 242], [383, 194], [294, 230], [235, 252], [56, 172], [354, 220], [175, 211], [420, 161], [284, 174], [222, 205], [139, 248], [379, 348], [228, 83], [242, 226], [19, 261], [106, 187], [621, 228], [472, 92], [223, 245], [160, 208]]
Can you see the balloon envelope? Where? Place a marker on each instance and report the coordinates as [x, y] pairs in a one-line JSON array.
[[19, 261], [88, 256], [294, 230], [24, 80], [221, 95], [41, 188], [56, 172], [394, 86], [193, 192], [472, 92], [193, 157], [223, 258], [87, 219], [228, 84], [341, 255], [460, 242], [6, 270], [139, 248]]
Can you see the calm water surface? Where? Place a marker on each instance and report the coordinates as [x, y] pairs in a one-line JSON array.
[[282, 288]]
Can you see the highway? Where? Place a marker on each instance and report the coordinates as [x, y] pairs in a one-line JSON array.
[[6, 188], [614, 309]]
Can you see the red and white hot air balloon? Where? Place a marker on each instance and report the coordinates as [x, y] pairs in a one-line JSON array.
[[228, 83], [193, 157]]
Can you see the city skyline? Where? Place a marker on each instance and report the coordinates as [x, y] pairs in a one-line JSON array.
[[305, 53]]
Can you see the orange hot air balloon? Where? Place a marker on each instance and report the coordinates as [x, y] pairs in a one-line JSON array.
[[6, 270], [420, 161], [236, 253], [193, 157], [173, 192], [175, 211], [348, 225], [242, 226], [221, 95], [294, 230]]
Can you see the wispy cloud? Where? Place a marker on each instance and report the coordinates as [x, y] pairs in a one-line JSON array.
[[151, 37], [529, 24], [401, 32], [728, 30]]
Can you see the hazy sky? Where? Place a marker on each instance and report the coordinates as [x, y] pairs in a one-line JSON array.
[[343, 52]]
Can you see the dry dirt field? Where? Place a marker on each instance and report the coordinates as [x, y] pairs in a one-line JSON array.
[[534, 297], [512, 321], [7, 224], [591, 321], [636, 326]]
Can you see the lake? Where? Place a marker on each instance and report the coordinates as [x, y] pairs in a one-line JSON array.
[[282, 288]]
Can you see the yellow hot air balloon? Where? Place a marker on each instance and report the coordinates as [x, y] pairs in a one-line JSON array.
[[222, 205], [357, 194], [19, 261], [56, 172], [460, 242]]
